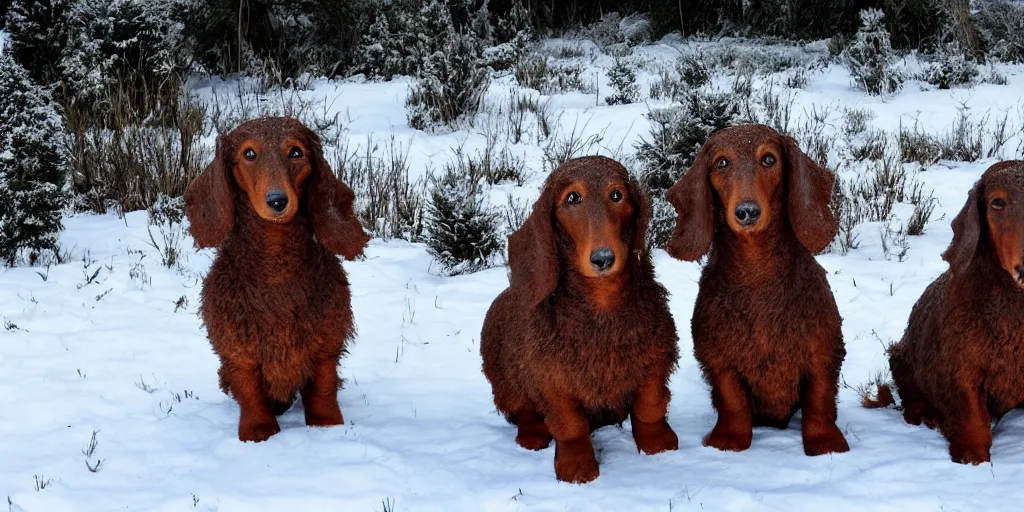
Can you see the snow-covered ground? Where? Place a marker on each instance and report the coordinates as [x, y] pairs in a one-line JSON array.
[[110, 343]]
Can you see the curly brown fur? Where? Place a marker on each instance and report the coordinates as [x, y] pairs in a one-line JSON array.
[[960, 363], [276, 302], [766, 329], [578, 340]]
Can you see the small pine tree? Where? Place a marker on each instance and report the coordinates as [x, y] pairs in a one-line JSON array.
[[462, 234], [33, 164], [376, 52], [430, 27], [870, 56], [622, 78]]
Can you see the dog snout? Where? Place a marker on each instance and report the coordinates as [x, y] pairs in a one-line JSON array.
[[602, 259], [747, 213], [277, 200]]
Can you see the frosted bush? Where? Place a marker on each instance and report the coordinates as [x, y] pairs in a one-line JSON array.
[[870, 56], [33, 165]]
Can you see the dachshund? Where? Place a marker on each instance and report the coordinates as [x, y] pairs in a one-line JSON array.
[[766, 329], [582, 338], [276, 303], [960, 362]]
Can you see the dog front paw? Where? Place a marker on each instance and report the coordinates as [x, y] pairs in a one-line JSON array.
[[729, 441], [575, 462], [967, 454], [257, 430], [830, 440], [328, 415], [654, 437]]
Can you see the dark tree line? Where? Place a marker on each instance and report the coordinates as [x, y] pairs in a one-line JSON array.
[[290, 37]]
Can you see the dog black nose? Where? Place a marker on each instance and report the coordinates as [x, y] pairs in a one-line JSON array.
[[277, 200], [748, 212], [602, 259]]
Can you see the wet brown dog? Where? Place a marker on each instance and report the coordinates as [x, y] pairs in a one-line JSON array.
[[276, 302], [583, 337], [960, 362], [766, 329]]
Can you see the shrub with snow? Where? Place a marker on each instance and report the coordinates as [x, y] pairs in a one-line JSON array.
[[33, 164], [282, 38], [605, 32], [511, 36], [166, 215], [109, 42], [88, 45], [870, 56], [462, 234], [689, 71], [953, 68], [166, 210], [404, 34], [622, 78], [552, 77], [1000, 25], [450, 84], [693, 70]]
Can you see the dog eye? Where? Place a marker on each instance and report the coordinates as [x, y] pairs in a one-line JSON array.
[[768, 160], [998, 204], [296, 152], [722, 163], [616, 196], [250, 154], [573, 198]]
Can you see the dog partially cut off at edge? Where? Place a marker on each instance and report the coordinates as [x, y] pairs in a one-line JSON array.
[[960, 363]]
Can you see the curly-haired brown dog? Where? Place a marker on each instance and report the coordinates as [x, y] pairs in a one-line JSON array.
[[276, 302], [960, 362], [766, 329], [583, 337]]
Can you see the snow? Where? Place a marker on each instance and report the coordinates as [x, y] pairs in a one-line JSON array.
[[124, 354]]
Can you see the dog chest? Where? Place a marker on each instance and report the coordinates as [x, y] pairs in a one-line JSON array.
[[602, 369]]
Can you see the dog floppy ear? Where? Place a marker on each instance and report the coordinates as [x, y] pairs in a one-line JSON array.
[[966, 232], [641, 215], [810, 191], [209, 200], [695, 208], [331, 207], [532, 252]]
